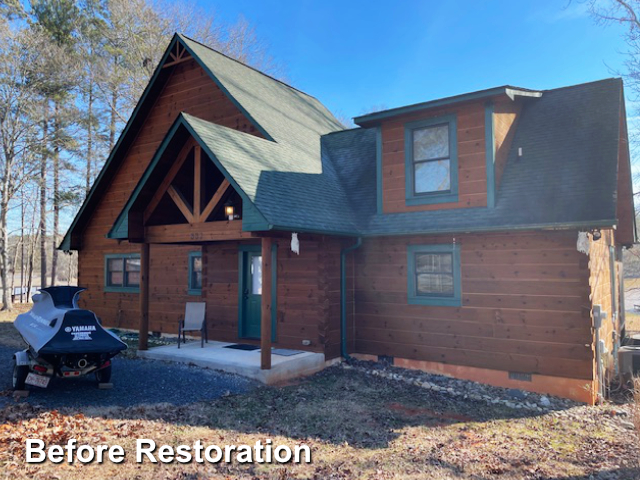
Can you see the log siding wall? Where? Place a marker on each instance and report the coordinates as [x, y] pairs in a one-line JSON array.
[[308, 293], [525, 305], [603, 293]]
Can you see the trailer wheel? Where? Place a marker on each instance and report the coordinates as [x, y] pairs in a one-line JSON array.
[[20, 373], [104, 375]]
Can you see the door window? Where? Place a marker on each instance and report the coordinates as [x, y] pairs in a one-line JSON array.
[[256, 275]]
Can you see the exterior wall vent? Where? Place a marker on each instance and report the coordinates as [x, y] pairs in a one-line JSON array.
[[523, 377]]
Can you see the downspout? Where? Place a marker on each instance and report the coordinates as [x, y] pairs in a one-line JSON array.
[[343, 296]]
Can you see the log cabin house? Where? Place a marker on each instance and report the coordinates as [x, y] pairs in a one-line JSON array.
[[440, 235]]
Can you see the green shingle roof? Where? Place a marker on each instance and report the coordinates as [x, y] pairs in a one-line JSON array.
[[290, 190], [310, 175]]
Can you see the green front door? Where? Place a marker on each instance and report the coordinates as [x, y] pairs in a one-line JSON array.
[[250, 292]]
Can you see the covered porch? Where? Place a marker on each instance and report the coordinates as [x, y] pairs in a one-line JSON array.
[[216, 356], [252, 284], [256, 291]]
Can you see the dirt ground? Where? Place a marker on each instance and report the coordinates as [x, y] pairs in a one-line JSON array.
[[357, 426]]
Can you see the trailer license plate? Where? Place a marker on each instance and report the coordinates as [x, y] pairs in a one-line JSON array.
[[37, 380]]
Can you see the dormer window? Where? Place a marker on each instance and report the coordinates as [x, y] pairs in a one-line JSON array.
[[431, 161]]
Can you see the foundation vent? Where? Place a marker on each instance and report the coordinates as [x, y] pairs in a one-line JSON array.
[[523, 377]]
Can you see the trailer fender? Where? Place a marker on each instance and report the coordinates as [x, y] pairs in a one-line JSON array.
[[22, 358]]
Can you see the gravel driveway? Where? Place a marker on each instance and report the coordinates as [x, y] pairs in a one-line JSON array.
[[134, 382]]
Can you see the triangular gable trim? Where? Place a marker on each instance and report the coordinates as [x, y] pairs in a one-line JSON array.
[[66, 241], [120, 228]]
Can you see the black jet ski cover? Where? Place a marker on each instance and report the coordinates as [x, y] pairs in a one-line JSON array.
[[56, 325]]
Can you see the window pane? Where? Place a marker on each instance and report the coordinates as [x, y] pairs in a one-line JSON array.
[[196, 273], [256, 275], [114, 265], [133, 279], [431, 142], [434, 262], [133, 264], [132, 274], [435, 284], [115, 278], [434, 176]]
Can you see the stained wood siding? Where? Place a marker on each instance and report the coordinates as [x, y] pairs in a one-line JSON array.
[[603, 293], [169, 283], [190, 90], [505, 118], [472, 178], [308, 293], [525, 305]]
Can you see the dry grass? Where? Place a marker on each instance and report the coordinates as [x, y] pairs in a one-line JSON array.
[[8, 334], [357, 427]]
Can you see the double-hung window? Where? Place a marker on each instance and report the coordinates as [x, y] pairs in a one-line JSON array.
[[122, 272], [434, 275], [431, 161]]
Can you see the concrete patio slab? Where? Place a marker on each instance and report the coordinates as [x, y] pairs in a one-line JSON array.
[[240, 362]]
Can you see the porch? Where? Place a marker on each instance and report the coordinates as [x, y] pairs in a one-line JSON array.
[[216, 356], [255, 289]]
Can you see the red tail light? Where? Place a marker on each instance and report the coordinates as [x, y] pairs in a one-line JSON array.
[[40, 368]]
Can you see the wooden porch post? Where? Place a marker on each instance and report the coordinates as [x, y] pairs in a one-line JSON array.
[[144, 297], [265, 317]]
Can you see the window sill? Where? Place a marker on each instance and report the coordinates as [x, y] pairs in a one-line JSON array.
[[436, 301], [194, 292], [432, 199], [122, 289]]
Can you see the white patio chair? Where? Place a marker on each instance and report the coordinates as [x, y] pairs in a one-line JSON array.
[[194, 320]]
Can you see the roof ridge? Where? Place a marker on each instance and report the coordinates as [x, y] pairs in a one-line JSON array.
[[577, 85], [246, 65], [344, 130]]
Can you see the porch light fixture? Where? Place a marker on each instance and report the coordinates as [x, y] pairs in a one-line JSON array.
[[596, 234], [229, 210]]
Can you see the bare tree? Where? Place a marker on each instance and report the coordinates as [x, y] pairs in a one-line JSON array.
[[86, 67], [18, 132], [625, 13]]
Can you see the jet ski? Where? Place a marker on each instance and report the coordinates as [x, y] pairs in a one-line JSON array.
[[63, 340]]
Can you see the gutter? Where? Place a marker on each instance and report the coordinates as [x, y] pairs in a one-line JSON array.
[[343, 296]]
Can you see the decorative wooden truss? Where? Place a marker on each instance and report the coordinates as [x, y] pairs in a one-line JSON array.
[[178, 55], [193, 214]]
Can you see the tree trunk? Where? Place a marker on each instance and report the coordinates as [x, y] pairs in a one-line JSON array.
[[112, 126], [56, 193], [43, 201], [14, 265], [89, 138], [32, 254], [4, 243]]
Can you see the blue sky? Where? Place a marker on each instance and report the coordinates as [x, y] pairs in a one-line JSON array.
[[355, 55]]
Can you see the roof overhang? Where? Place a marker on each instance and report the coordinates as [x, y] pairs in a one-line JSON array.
[[120, 228], [511, 92]]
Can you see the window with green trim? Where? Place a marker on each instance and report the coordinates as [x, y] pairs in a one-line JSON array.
[[195, 273], [431, 161], [434, 275], [122, 272]]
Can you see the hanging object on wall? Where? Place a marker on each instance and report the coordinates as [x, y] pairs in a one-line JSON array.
[[583, 243], [295, 244]]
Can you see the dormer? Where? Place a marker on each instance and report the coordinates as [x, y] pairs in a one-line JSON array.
[[446, 153]]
